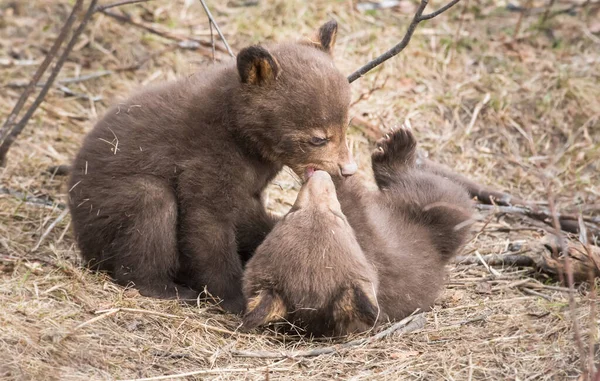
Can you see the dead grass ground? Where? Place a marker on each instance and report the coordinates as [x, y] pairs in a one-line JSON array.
[[541, 121]]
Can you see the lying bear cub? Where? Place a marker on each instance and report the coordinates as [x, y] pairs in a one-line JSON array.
[[338, 267], [165, 193]]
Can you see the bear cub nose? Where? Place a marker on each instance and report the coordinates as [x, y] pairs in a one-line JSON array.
[[349, 169]]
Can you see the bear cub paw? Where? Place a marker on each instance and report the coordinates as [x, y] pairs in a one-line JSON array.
[[396, 148]]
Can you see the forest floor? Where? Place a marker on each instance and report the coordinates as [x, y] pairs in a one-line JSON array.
[[519, 113]]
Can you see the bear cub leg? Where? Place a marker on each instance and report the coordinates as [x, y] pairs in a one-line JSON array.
[[145, 250], [209, 258]]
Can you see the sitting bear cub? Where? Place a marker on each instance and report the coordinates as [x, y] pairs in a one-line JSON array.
[[165, 192]]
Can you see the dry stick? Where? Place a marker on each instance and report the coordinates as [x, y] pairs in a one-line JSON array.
[[8, 124], [591, 296], [68, 81], [212, 39], [547, 11], [566, 222], [213, 22], [14, 132], [460, 22], [418, 17], [521, 16], [511, 260], [406, 325], [476, 112], [570, 278], [506, 203], [33, 200], [187, 43], [61, 216], [535, 293], [101, 8]]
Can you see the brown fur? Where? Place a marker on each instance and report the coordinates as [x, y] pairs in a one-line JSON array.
[[166, 188], [407, 231], [310, 267], [409, 228]]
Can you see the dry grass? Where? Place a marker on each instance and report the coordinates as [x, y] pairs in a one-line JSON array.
[[540, 123]]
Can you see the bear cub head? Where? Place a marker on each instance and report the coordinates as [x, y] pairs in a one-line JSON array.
[[311, 271], [293, 104]]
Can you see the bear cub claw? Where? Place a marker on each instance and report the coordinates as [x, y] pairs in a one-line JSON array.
[[397, 146]]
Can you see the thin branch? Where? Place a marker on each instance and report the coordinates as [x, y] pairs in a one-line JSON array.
[[101, 8], [212, 39], [33, 200], [62, 215], [8, 124], [18, 128], [439, 11], [418, 17], [565, 221], [461, 21], [213, 22], [547, 11], [520, 19], [68, 81], [506, 203], [183, 42], [510, 260], [562, 245]]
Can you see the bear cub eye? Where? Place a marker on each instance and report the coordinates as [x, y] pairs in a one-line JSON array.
[[317, 141]]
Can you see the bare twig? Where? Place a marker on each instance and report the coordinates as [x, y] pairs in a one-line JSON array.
[[406, 325], [212, 39], [418, 17], [505, 203], [516, 260], [67, 81], [566, 222], [8, 124], [461, 21], [62, 215], [476, 112], [562, 245], [520, 20], [484, 263], [104, 315], [535, 293], [212, 21], [593, 333], [547, 11], [31, 199], [188, 43], [101, 8], [366, 95], [18, 128]]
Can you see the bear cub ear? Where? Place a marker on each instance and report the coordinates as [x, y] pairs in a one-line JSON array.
[[257, 66], [325, 38], [266, 307], [355, 309]]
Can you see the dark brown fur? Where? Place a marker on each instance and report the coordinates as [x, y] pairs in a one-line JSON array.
[[407, 230], [166, 188]]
